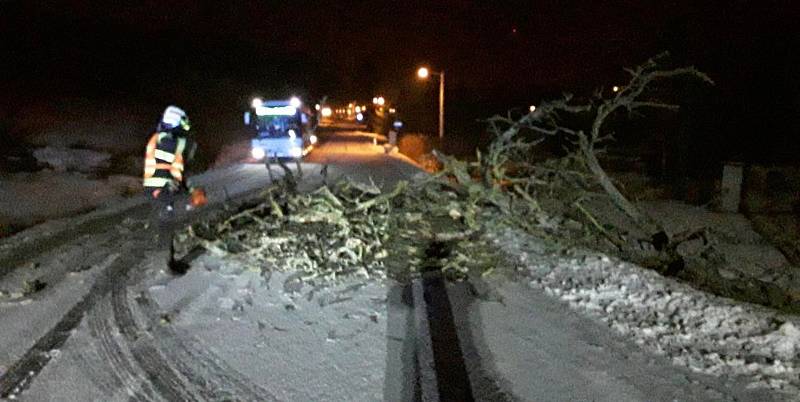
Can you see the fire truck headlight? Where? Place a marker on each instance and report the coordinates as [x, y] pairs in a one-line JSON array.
[[257, 102], [258, 153], [295, 152], [295, 101], [312, 139]]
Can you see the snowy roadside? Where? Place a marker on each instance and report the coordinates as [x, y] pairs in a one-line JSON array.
[[702, 332], [30, 198], [70, 182]]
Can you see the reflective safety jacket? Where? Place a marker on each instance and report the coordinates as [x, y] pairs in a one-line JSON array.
[[164, 160]]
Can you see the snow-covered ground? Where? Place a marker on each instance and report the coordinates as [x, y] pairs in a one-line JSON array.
[[738, 342], [67, 184], [30, 198], [226, 330], [81, 261]]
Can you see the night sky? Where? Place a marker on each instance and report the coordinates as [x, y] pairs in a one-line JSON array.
[[497, 55]]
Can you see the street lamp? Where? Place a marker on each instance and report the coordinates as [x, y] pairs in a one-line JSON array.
[[423, 73]]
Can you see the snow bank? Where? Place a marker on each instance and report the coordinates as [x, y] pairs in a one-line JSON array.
[[703, 332], [74, 160], [30, 198], [233, 153], [117, 127]]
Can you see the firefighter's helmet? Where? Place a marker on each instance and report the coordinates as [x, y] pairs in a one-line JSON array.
[[175, 117]]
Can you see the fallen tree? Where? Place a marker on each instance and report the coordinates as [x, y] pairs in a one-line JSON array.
[[546, 121], [570, 200]]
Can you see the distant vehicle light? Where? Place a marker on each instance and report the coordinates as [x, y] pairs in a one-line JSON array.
[[358, 109], [360, 117], [397, 124], [292, 134], [295, 152], [381, 101], [392, 110], [312, 139], [327, 112], [257, 102], [295, 102], [258, 153], [375, 100]]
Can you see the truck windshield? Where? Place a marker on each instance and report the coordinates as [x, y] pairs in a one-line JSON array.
[[275, 126]]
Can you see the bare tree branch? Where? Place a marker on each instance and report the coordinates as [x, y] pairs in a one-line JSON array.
[[548, 120]]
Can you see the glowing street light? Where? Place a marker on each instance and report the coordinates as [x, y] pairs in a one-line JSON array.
[[615, 88], [532, 108], [423, 73]]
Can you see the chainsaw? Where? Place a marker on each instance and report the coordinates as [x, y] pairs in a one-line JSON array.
[[197, 197]]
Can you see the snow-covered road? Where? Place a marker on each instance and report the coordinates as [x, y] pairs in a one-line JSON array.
[[111, 324]]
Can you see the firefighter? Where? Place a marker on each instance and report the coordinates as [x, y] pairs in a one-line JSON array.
[[168, 152]]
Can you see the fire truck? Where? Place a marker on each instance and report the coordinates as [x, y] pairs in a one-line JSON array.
[[281, 129]]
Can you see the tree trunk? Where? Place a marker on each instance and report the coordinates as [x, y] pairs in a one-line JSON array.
[[616, 196]]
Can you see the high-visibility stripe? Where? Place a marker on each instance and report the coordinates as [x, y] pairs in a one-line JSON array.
[[156, 181], [164, 156], [181, 146], [174, 161], [177, 164], [150, 159]]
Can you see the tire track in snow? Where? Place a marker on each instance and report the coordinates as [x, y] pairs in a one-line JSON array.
[[166, 379], [23, 371], [123, 367], [177, 369], [27, 251]]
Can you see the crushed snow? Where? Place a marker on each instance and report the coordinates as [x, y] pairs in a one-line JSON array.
[[703, 332], [325, 341]]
